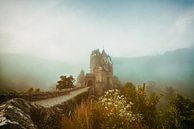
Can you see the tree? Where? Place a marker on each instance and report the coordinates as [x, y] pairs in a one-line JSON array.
[[180, 114], [142, 103], [129, 90], [37, 90], [30, 90], [65, 82], [169, 93]]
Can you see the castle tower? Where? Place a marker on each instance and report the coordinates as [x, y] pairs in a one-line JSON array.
[[101, 75], [101, 67]]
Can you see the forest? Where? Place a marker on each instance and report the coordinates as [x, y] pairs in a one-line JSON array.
[[130, 107]]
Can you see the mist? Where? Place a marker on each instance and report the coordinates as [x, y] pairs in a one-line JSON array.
[[174, 68], [21, 72], [65, 30], [41, 40]]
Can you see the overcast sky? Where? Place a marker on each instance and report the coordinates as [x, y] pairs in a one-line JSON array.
[[69, 29]]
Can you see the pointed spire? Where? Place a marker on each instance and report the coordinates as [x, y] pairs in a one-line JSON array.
[[103, 52]]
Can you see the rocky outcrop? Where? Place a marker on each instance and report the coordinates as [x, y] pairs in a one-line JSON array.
[[21, 114], [16, 114]]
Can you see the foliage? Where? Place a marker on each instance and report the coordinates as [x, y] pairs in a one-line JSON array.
[[131, 107], [30, 90], [110, 111], [143, 103], [129, 90], [116, 111], [37, 90], [82, 116], [179, 114], [65, 82]]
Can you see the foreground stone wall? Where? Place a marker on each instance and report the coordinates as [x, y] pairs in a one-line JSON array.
[[18, 113], [36, 96]]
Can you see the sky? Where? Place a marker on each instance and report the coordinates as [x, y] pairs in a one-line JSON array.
[[70, 29]]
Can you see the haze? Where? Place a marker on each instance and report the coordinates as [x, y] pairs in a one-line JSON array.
[[69, 30], [40, 40]]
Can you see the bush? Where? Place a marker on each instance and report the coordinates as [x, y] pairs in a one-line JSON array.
[[179, 114], [131, 108], [111, 111], [30, 90], [116, 111]]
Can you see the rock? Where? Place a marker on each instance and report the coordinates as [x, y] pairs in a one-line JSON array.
[[18, 113], [15, 114]]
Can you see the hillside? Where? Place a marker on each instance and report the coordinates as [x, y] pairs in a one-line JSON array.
[[171, 67], [20, 71]]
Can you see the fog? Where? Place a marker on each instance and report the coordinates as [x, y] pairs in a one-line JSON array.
[[69, 30], [40, 40]]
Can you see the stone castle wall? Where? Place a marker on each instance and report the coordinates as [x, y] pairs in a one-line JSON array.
[[101, 67], [101, 72]]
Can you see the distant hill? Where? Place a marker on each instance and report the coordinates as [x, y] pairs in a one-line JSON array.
[[18, 71], [172, 67]]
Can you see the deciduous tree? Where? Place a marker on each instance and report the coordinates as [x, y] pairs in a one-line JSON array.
[[65, 82]]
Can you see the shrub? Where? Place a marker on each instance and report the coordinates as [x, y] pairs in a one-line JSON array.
[[116, 112], [110, 111]]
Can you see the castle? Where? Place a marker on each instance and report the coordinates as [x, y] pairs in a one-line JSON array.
[[101, 72]]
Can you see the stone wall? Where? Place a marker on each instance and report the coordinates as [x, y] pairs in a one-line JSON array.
[[35, 96], [18, 113]]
